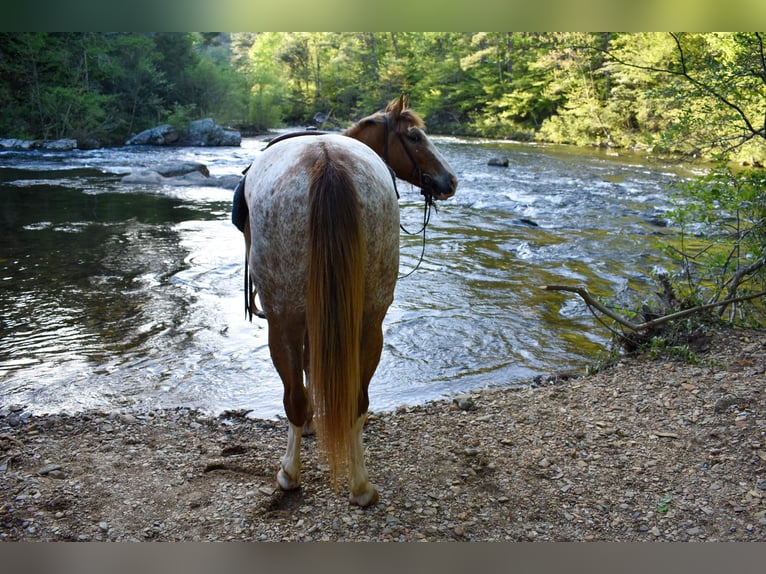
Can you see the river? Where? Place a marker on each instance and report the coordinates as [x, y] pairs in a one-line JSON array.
[[116, 296]]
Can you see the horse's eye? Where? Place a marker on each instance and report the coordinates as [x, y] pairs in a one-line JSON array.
[[413, 135]]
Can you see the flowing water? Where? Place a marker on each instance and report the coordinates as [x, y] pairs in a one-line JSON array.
[[131, 296]]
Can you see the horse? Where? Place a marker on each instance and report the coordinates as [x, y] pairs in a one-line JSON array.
[[322, 238]]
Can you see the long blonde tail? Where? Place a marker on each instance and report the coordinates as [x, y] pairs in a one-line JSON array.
[[334, 307]]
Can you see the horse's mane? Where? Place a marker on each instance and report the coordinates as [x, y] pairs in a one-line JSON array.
[[413, 117], [398, 108]]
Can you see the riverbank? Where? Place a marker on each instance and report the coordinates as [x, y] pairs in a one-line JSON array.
[[646, 450]]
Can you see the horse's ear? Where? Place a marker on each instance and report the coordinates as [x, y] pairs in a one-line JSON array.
[[397, 106]]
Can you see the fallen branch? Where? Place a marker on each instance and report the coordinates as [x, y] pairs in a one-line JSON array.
[[591, 302]]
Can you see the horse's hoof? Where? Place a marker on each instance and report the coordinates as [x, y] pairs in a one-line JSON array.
[[366, 498], [286, 482]]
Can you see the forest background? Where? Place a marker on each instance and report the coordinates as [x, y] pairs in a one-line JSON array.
[[696, 94], [691, 96]]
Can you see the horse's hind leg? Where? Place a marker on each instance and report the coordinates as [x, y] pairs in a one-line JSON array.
[[309, 427], [363, 492], [289, 475], [286, 345]]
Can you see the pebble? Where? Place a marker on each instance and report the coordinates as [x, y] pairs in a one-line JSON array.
[[465, 403], [48, 469]]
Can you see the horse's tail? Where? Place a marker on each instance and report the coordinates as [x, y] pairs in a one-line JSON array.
[[334, 307]]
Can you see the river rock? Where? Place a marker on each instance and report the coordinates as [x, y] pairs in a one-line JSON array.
[[181, 168], [164, 134], [13, 143], [191, 178], [498, 161], [143, 176], [207, 133], [64, 144]]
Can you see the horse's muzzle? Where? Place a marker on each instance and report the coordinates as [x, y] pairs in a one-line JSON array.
[[440, 187]]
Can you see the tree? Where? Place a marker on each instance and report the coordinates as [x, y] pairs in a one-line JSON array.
[[722, 246], [266, 95], [582, 82], [719, 84], [51, 82]]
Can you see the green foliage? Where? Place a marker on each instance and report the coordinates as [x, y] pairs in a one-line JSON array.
[[662, 347], [721, 250], [181, 115], [105, 86], [605, 360], [695, 94]]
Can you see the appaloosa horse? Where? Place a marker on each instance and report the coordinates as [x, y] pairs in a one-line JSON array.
[[322, 231]]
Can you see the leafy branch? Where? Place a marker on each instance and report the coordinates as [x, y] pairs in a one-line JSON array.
[[722, 85]]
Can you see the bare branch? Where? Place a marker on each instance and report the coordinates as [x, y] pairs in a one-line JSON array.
[[591, 302], [737, 279]]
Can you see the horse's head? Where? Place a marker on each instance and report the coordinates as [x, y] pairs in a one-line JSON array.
[[397, 135]]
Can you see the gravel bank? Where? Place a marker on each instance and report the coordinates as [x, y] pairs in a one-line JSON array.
[[646, 450]]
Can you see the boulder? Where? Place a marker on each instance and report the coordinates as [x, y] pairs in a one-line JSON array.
[[207, 133], [498, 161], [65, 144], [199, 133], [159, 135]]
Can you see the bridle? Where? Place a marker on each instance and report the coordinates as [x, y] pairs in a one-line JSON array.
[[423, 180]]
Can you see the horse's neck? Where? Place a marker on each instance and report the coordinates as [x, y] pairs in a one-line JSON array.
[[367, 137]]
